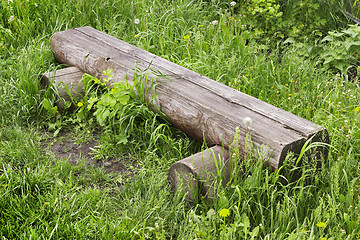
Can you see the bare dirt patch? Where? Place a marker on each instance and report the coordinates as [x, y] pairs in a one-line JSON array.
[[67, 146]]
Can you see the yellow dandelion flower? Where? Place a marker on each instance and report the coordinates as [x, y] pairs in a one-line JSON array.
[[224, 212], [321, 224], [80, 104], [186, 37]]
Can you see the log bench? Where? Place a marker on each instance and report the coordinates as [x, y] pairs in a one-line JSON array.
[[201, 107]]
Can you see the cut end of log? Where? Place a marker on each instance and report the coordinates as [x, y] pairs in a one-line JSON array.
[[197, 174], [181, 175], [319, 139]]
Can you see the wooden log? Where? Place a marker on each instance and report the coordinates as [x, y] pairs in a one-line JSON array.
[[196, 174], [195, 104], [63, 80]]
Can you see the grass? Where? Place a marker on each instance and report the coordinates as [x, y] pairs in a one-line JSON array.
[[43, 197]]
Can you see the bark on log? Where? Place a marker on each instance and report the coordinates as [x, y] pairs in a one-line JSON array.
[[69, 77], [195, 104], [196, 174]]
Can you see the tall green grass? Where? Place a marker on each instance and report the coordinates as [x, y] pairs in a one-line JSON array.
[[44, 197]]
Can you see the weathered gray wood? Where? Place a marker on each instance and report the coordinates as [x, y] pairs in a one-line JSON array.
[[196, 174], [70, 77], [195, 104]]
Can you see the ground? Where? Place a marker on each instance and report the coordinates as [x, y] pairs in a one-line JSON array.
[[67, 146]]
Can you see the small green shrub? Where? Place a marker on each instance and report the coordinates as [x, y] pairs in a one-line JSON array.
[[338, 51], [277, 20], [342, 51]]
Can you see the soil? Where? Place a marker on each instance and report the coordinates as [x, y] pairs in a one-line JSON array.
[[67, 146]]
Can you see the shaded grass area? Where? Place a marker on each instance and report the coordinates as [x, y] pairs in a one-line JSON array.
[[44, 197]]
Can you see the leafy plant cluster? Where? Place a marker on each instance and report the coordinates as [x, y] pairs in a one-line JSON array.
[[281, 19], [99, 100], [120, 110], [339, 51]]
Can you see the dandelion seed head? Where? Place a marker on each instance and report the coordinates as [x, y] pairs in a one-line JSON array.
[[215, 22], [136, 21], [247, 121]]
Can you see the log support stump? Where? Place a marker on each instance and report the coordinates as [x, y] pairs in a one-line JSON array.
[[197, 173], [65, 81]]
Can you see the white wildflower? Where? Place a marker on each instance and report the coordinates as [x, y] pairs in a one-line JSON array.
[[232, 3], [136, 21], [215, 22], [11, 18], [247, 121], [10, 1]]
